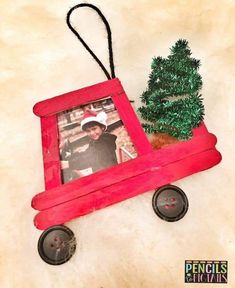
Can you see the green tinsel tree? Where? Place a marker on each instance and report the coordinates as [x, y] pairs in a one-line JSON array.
[[172, 101]]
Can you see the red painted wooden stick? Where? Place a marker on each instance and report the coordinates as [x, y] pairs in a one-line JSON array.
[[50, 149], [75, 98], [158, 177], [49, 108], [123, 171]]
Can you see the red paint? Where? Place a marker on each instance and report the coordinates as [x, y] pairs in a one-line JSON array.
[[128, 188], [200, 130], [47, 111], [63, 202], [51, 158], [110, 176], [78, 97]]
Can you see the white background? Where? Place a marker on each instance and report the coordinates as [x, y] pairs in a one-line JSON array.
[[125, 245]]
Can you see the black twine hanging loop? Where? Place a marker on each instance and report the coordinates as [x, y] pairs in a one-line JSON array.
[[111, 62]]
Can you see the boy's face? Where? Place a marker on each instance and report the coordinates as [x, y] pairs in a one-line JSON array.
[[94, 132]]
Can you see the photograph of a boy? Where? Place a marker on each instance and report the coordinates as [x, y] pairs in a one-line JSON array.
[[101, 151], [91, 140]]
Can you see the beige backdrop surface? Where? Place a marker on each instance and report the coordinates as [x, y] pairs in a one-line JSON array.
[[125, 245]]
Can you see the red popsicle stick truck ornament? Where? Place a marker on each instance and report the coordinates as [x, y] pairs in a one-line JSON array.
[[96, 154]]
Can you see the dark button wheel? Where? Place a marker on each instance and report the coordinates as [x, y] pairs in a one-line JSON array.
[[56, 245], [170, 203]]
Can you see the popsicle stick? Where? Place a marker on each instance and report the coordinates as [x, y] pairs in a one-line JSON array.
[[156, 177], [115, 174]]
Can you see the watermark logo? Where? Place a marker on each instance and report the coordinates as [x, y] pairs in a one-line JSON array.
[[201, 271]]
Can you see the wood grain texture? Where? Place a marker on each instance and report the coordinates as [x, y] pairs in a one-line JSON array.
[[47, 111], [75, 98], [123, 171], [156, 177], [125, 245], [50, 151]]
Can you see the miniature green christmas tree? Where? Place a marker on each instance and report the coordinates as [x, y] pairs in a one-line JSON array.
[[172, 101]]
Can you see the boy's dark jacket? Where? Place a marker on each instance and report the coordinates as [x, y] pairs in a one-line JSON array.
[[100, 154]]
